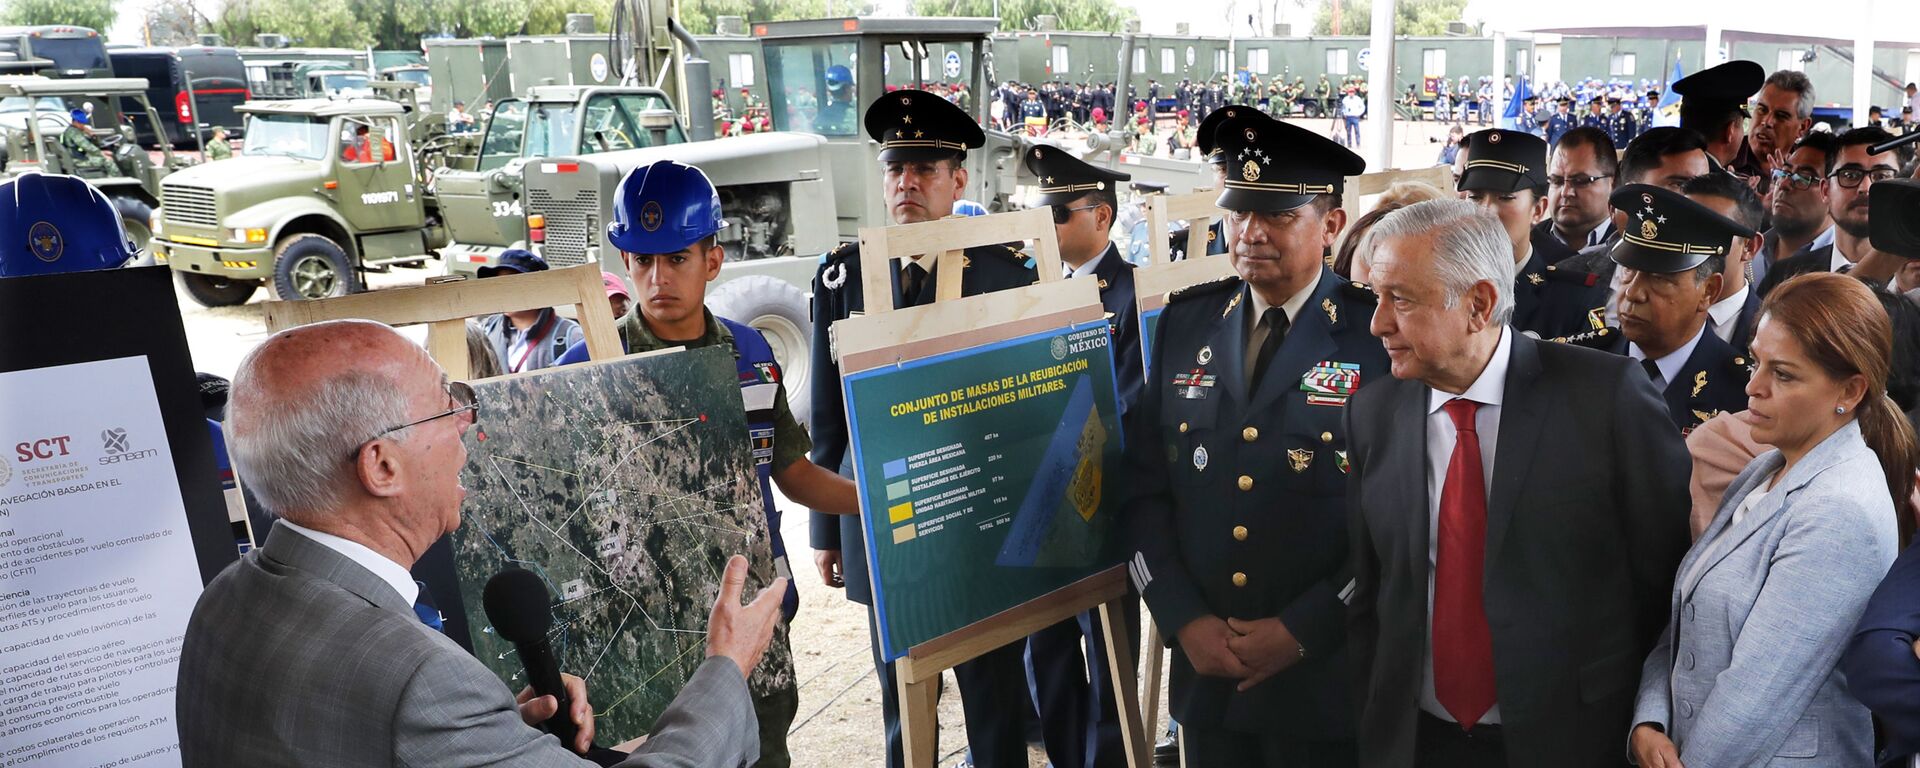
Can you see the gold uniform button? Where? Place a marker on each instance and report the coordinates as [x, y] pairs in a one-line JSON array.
[[1246, 483], [1239, 579], [1183, 427], [1326, 437], [1249, 434], [1239, 533]]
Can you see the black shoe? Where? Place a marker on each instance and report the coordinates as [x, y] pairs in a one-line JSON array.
[[1166, 751]]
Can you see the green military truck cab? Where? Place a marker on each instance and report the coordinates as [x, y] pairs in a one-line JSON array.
[[33, 115], [481, 195], [326, 190]]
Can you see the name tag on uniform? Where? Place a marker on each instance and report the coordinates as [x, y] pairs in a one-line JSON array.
[[1193, 385]]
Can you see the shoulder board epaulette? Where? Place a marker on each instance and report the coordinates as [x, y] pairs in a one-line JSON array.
[[1571, 275], [1359, 291], [1599, 338], [1203, 289]]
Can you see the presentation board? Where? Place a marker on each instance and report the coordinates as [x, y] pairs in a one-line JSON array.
[[111, 517]]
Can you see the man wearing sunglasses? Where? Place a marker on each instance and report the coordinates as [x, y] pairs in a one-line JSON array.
[[309, 650], [1079, 722], [1851, 172], [923, 149], [1798, 204]]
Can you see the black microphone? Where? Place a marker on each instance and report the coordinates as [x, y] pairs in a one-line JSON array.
[[521, 610]]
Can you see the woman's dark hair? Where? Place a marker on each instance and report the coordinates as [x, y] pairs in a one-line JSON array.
[[1846, 332]]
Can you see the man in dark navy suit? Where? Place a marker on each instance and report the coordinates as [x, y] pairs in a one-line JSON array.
[[923, 143], [1673, 256], [1079, 721], [1237, 456]]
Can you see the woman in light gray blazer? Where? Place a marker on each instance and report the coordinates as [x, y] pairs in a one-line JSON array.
[[1764, 602]]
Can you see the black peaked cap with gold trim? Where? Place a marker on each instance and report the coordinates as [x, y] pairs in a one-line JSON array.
[[916, 125], [1277, 166], [1203, 135], [1065, 178], [1666, 232], [1503, 161]]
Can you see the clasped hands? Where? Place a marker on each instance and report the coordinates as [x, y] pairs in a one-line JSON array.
[[1248, 651]]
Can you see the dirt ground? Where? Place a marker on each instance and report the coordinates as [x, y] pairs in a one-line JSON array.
[[838, 724]]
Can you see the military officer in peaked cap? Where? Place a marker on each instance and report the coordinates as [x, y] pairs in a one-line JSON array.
[[1079, 721], [1673, 256], [1210, 154], [1506, 173], [1237, 453], [1621, 127], [923, 145], [1713, 101]]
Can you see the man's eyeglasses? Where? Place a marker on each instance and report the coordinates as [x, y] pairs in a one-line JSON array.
[[1062, 213], [1851, 177], [1797, 180], [459, 395], [1577, 181]]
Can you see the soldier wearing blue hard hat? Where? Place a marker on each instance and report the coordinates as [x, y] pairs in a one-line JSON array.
[[79, 143], [923, 141], [839, 107], [667, 222], [55, 224]]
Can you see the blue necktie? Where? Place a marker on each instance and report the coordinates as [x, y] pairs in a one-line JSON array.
[[424, 608]]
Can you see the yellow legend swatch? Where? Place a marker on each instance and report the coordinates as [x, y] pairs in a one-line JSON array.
[[903, 534], [899, 512]]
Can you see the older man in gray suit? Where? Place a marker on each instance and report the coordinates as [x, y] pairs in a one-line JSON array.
[[308, 651]]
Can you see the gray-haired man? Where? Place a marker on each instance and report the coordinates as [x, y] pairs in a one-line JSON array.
[[308, 650], [1512, 555]]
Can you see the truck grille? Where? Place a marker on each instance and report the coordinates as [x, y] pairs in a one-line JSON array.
[[570, 223], [189, 205]]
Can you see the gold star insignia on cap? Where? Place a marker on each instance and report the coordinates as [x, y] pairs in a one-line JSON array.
[[918, 134], [908, 119], [1047, 180]]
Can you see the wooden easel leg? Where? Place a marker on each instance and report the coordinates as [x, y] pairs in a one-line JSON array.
[[919, 718], [1156, 658], [1124, 678]]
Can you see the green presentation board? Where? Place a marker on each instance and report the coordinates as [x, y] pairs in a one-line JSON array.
[[988, 477]]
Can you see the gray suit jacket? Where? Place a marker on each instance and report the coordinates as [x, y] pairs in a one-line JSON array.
[[1744, 674], [298, 656]]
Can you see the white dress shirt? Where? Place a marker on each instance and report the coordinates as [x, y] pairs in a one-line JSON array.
[[1670, 364], [1488, 390], [1725, 313], [1087, 268], [388, 570], [1837, 259]]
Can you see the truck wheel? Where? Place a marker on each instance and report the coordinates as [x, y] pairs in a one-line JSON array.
[[134, 216], [310, 266], [216, 291], [778, 310]]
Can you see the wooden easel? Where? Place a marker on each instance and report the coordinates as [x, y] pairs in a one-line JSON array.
[[872, 341], [446, 306]]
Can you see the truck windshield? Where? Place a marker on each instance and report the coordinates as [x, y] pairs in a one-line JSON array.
[[299, 136], [345, 84], [504, 134], [550, 133], [411, 76], [812, 87]]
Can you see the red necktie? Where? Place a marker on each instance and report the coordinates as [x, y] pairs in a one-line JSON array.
[[1462, 644]]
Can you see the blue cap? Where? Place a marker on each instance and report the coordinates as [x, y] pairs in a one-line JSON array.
[[664, 207], [80, 116], [514, 261], [51, 224]]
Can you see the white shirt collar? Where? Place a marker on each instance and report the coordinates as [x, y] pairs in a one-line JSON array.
[[1091, 265], [1670, 365], [1601, 232], [1490, 387], [1825, 238], [388, 570], [1292, 306], [1726, 311]]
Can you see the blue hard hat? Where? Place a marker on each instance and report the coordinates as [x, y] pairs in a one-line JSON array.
[[664, 208], [80, 116], [968, 208], [838, 74], [513, 261], [51, 224]]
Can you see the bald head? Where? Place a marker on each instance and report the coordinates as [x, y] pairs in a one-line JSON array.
[[306, 408]]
